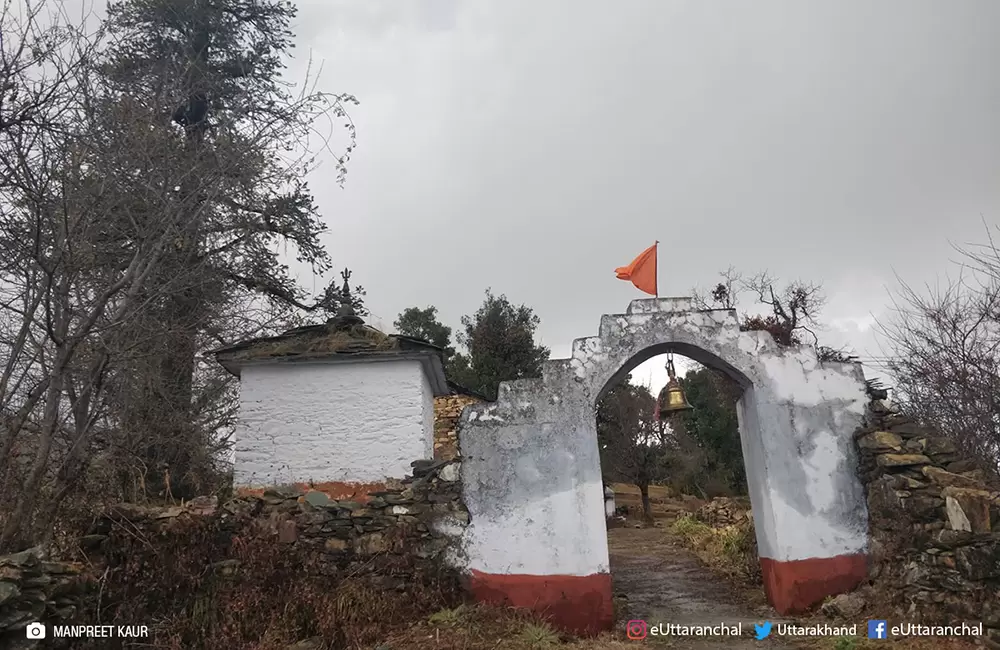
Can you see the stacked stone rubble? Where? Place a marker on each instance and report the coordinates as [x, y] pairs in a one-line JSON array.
[[934, 522], [447, 411], [32, 588], [725, 511], [423, 517]]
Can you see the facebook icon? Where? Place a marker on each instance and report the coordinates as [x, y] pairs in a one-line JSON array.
[[877, 629]]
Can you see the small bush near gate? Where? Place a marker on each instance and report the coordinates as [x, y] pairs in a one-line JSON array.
[[845, 643], [730, 549], [538, 635], [690, 528]]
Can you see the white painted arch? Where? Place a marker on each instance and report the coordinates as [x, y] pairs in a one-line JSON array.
[[532, 475]]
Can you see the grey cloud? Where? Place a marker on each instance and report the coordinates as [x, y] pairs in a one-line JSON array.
[[535, 146]]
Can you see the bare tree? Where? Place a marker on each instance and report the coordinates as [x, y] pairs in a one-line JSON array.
[[631, 439], [45, 318], [945, 353], [78, 295], [212, 71], [724, 295], [92, 222], [791, 311], [145, 184]]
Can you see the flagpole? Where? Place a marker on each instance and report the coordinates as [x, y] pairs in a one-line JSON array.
[[656, 269]]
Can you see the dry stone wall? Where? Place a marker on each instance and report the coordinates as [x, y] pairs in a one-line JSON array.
[[447, 411], [725, 511], [33, 588], [422, 517], [934, 521]]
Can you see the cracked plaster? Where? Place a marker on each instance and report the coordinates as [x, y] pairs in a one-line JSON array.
[[531, 471]]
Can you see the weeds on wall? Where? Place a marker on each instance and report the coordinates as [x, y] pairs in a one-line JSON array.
[[213, 582]]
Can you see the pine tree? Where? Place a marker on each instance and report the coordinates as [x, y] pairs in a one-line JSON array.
[[209, 72]]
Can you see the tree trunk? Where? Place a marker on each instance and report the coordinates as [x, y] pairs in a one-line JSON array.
[[166, 416], [647, 507], [14, 529]]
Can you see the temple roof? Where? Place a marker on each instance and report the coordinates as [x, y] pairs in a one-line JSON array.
[[339, 339]]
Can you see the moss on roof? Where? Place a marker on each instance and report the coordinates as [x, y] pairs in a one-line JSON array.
[[318, 341]]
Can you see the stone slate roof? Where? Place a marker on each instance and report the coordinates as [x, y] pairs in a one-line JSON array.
[[334, 341], [322, 340]]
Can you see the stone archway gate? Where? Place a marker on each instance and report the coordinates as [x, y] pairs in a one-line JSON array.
[[532, 478]]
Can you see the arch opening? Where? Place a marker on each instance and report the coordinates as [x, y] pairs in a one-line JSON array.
[[702, 452], [662, 471], [693, 352]]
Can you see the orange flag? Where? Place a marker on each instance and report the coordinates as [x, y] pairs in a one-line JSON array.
[[642, 271]]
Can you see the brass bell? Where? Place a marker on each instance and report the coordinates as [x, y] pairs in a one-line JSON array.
[[672, 398]]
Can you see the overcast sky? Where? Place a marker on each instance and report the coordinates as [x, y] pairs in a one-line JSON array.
[[532, 147]]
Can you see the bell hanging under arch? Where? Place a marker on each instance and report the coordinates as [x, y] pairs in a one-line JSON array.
[[672, 398]]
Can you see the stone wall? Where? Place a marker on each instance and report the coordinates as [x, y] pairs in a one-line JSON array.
[[427, 508], [421, 518], [447, 411], [934, 524], [725, 511], [33, 588]]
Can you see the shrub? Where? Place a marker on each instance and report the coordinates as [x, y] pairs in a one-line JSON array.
[[730, 549], [538, 635], [224, 582]]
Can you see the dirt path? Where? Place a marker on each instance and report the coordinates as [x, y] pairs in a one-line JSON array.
[[664, 583]]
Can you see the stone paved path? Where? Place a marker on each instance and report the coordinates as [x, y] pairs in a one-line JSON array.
[[664, 583]]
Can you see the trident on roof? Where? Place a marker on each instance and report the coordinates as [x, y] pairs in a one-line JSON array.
[[346, 274], [346, 316]]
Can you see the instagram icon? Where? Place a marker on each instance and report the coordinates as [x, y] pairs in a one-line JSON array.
[[636, 629]]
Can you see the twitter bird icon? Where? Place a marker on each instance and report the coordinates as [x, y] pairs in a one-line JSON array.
[[762, 630]]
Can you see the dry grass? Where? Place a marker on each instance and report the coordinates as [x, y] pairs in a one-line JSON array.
[[277, 595], [328, 342], [730, 550], [861, 643], [214, 582], [482, 627]]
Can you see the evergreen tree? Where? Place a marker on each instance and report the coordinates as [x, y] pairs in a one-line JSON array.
[[209, 73], [423, 324], [713, 425], [500, 343]]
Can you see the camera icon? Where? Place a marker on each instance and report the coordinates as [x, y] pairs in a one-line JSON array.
[[35, 631], [636, 629]]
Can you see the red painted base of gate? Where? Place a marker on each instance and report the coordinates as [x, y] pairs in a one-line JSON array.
[[577, 604], [796, 585], [583, 605]]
